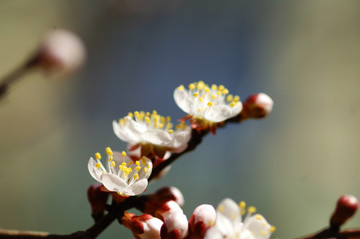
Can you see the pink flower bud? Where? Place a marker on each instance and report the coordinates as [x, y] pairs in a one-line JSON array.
[[160, 209], [170, 193], [97, 199], [144, 226], [60, 50], [257, 106], [203, 217], [175, 226], [345, 208]]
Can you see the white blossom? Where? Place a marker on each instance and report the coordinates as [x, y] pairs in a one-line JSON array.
[[152, 133], [213, 104], [121, 175], [230, 225]]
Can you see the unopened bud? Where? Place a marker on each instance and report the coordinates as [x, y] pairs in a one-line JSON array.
[[257, 106], [170, 193], [144, 226], [345, 208], [203, 217], [161, 209], [175, 226], [60, 50], [97, 199]]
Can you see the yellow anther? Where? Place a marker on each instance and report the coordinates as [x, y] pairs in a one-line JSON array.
[[147, 119], [210, 103], [111, 158], [136, 114], [221, 208], [130, 115], [200, 85], [229, 98], [123, 164], [146, 170], [201, 99], [137, 163], [221, 87], [272, 229], [113, 164], [143, 160], [171, 131], [123, 153], [213, 87], [236, 98], [154, 112], [206, 89], [225, 91], [138, 168], [129, 170], [169, 126], [199, 109], [168, 118], [191, 86], [147, 114], [232, 104], [213, 97], [108, 151], [181, 87], [242, 205], [136, 176], [259, 217], [98, 165], [124, 175], [196, 94], [251, 209], [98, 156], [121, 122], [218, 93], [121, 167]]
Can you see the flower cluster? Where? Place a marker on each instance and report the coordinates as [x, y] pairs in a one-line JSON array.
[[165, 219]]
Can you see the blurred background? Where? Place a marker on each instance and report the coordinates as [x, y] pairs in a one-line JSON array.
[[293, 165]]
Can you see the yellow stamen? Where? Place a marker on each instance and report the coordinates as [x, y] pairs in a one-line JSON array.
[[242, 205], [146, 170], [113, 164], [232, 104], [138, 168], [181, 87], [130, 115], [143, 160], [136, 176], [98, 156], [108, 151], [191, 86], [210, 103], [221, 87], [123, 153], [236, 98], [272, 229], [98, 165], [213, 87], [213, 97], [121, 122], [123, 164], [218, 93], [137, 163], [199, 109], [171, 131], [201, 99], [196, 94], [225, 91], [251, 209], [229, 98], [206, 89], [111, 158], [258, 217]]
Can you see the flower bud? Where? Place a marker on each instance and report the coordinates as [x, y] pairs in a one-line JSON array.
[[60, 50], [203, 217], [175, 226], [257, 106], [345, 208], [170, 193], [161, 209], [144, 226], [97, 199]]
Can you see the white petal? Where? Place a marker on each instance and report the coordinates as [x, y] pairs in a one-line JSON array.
[[152, 229], [119, 132], [158, 137], [93, 170], [181, 138], [259, 226], [183, 100], [236, 109], [213, 233], [137, 187], [218, 113], [228, 218], [113, 183]]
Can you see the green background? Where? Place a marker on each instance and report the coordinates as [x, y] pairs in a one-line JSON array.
[[292, 166]]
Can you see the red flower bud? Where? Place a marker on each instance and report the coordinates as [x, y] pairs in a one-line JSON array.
[[97, 199], [345, 208], [257, 106]]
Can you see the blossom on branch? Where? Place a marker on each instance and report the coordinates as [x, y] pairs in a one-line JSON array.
[[122, 174], [151, 133], [229, 223], [206, 105]]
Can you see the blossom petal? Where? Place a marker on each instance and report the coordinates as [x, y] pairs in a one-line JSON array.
[[183, 100], [158, 137], [181, 137], [213, 233], [218, 113], [93, 170], [137, 188], [119, 132], [113, 183], [258, 225], [228, 218]]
